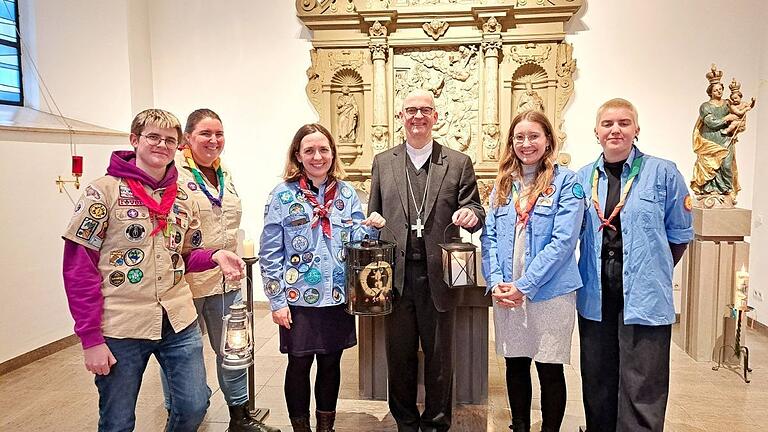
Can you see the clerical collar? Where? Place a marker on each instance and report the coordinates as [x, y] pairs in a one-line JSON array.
[[419, 156]]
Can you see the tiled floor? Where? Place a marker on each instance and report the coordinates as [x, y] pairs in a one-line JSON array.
[[57, 394]]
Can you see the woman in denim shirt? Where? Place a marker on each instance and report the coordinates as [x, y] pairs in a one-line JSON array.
[[307, 220], [529, 241]]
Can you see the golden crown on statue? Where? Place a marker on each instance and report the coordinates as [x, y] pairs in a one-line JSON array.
[[734, 86], [714, 75]]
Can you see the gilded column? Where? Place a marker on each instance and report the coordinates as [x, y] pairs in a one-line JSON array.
[[491, 45], [379, 50]]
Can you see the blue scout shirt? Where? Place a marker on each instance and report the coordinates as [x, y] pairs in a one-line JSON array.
[[551, 235], [657, 212], [300, 266]]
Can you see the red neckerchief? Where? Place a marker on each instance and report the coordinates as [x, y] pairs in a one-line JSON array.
[[157, 211], [321, 212], [522, 214]]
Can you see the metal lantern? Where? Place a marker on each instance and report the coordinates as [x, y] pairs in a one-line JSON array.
[[236, 339], [369, 274], [459, 265]]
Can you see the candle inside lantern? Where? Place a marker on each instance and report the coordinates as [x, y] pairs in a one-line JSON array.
[[742, 288], [77, 166], [248, 249], [458, 268]]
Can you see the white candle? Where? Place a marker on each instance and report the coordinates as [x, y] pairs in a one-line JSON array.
[[742, 288], [458, 269], [248, 250]]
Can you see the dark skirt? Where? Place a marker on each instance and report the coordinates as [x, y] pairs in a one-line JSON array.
[[318, 330]]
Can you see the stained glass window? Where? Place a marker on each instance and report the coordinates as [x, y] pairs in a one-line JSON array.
[[10, 55]]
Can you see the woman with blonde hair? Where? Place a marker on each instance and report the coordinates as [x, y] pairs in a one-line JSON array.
[[309, 217], [529, 241]]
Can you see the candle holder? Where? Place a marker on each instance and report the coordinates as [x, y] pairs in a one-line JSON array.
[[738, 349], [259, 414], [459, 263]]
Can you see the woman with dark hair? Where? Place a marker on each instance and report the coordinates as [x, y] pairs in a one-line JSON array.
[[309, 216], [530, 236], [211, 190]]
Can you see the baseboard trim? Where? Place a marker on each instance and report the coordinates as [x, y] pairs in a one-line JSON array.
[[757, 326], [37, 354]]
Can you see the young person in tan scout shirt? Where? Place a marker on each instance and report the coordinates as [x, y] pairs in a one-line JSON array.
[[123, 275]]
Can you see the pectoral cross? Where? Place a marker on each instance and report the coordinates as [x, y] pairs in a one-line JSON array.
[[419, 227]]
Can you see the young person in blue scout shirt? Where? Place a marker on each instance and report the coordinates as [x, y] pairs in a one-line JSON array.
[[636, 228], [529, 241], [308, 218]]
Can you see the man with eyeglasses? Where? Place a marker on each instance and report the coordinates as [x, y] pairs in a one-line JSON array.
[[426, 191]]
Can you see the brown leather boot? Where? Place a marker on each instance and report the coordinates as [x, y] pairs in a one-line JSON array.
[[325, 420], [300, 424]]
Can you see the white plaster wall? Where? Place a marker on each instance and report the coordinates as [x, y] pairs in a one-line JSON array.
[[247, 60]]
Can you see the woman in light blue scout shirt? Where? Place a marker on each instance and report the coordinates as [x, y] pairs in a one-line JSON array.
[[308, 218], [529, 241], [636, 228]]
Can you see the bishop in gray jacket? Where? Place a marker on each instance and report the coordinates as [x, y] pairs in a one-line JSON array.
[[422, 188]]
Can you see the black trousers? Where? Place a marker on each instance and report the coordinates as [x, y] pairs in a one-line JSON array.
[[624, 368], [519, 391], [415, 320]]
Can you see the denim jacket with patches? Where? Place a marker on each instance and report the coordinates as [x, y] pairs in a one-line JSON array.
[[299, 265]]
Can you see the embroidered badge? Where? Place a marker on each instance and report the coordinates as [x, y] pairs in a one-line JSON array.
[[311, 296], [340, 255], [176, 260], [79, 207], [92, 193], [192, 186], [116, 278], [300, 243], [339, 204], [97, 211], [301, 198], [338, 276], [688, 203], [286, 197], [116, 258], [272, 288], [544, 202], [135, 275], [549, 191], [133, 256], [125, 192], [292, 295], [181, 195], [129, 202], [197, 238], [177, 275], [132, 213], [313, 276], [303, 267], [291, 275], [344, 234], [135, 232], [87, 228], [296, 209], [338, 296], [307, 257], [346, 192], [578, 190], [295, 259]]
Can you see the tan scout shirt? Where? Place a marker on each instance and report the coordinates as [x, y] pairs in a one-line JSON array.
[[141, 275], [218, 226]]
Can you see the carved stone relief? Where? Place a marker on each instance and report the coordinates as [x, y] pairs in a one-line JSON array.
[[452, 75], [435, 28]]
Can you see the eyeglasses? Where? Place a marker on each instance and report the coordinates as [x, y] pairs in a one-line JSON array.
[[520, 138], [425, 111], [155, 140]]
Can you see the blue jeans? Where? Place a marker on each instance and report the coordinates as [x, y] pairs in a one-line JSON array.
[[233, 383], [181, 358]]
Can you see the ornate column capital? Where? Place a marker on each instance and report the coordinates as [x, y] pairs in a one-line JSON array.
[[491, 47], [379, 49]]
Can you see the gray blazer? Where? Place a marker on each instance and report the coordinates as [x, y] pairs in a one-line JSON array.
[[452, 185]]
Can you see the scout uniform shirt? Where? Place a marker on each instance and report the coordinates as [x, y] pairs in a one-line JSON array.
[[141, 275], [299, 265], [218, 226]]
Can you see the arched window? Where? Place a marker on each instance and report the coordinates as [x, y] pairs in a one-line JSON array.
[[10, 55]]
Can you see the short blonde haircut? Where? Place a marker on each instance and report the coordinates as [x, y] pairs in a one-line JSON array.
[[155, 117], [616, 103]]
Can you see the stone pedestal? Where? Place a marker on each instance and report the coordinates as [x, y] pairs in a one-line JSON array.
[[709, 271], [471, 342]]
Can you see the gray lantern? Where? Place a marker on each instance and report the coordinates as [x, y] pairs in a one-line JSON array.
[[236, 338]]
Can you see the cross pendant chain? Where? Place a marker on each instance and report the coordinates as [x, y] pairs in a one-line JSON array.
[[419, 227]]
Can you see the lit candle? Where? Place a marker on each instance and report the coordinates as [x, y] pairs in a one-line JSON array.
[[248, 251], [742, 288]]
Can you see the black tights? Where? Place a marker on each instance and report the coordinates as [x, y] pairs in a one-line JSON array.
[[553, 396], [327, 382]]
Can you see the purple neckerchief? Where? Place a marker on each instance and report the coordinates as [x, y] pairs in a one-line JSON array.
[[123, 164]]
